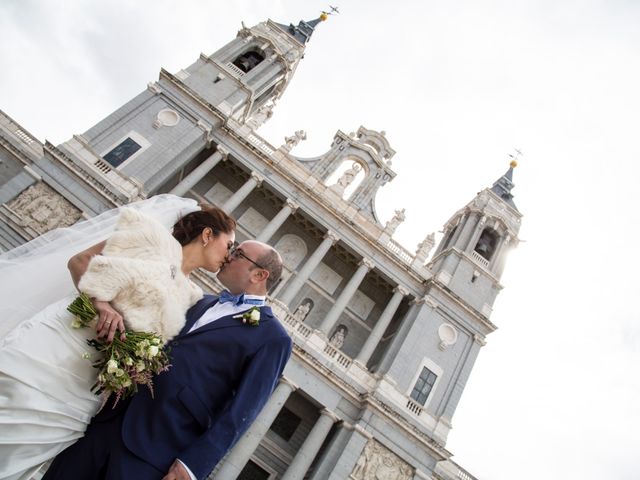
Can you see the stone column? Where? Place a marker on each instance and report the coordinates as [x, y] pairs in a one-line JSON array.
[[242, 451], [476, 234], [199, 172], [307, 269], [276, 222], [351, 287], [401, 334], [381, 325], [311, 446], [243, 192]]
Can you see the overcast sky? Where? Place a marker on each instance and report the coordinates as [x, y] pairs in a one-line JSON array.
[[457, 86]]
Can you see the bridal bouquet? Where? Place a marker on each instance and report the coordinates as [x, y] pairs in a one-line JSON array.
[[123, 364]]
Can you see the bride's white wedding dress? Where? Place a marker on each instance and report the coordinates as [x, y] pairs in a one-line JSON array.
[[45, 378]]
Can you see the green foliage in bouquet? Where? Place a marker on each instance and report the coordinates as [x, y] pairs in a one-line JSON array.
[[83, 310], [123, 364]]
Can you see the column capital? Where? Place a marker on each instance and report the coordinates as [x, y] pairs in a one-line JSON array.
[[401, 290], [328, 413], [258, 178], [292, 205], [429, 300], [290, 383], [479, 340], [223, 151], [332, 235], [367, 263]]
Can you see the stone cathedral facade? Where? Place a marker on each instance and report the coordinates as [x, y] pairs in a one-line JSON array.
[[384, 338]]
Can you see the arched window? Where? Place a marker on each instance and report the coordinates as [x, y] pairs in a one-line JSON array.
[[248, 60], [487, 243]]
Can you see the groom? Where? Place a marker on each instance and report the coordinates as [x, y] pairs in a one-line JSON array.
[[223, 371]]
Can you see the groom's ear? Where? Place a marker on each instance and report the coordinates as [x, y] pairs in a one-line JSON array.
[[260, 275]]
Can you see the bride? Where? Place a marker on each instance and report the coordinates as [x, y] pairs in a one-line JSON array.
[[45, 379]]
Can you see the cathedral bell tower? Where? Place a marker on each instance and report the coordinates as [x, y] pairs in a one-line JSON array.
[[175, 126], [432, 355], [471, 256]]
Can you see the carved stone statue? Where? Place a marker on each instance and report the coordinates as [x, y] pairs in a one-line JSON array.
[[346, 179], [293, 140], [378, 463], [302, 311], [264, 113], [396, 220], [426, 245], [338, 337]]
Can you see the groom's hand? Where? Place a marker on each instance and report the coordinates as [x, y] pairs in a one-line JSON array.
[[177, 472]]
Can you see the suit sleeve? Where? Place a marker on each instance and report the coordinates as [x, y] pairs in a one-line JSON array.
[[258, 382]]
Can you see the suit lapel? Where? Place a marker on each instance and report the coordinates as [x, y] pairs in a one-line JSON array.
[[228, 321], [195, 312]]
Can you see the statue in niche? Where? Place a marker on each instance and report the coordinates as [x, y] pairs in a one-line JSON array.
[[426, 245], [292, 141], [396, 220], [303, 310], [378, 463], [346, 179], [339, 335]]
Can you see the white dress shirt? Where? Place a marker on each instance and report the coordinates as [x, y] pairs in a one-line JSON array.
[[220, 310]]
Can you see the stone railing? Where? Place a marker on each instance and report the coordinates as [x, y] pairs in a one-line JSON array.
[[261, 144], [480, 259], [400, 252], [234, 70]]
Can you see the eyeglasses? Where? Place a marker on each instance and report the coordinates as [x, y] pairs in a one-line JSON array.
[[234, 251]]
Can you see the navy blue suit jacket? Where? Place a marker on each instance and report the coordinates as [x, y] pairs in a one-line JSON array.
[[221, 376]]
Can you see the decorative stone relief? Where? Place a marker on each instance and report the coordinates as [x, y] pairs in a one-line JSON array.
[[361, 305], [425, 247], [379, 463], [42, 209], [253, 221], [448, 335], [327, 278], [292, 249], [166, 118], [218, 194]]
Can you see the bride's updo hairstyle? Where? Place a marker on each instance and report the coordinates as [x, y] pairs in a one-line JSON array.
[[191, 225]]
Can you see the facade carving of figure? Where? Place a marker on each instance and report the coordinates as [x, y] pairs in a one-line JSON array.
[[302, 311], [338, 337], [347, 177], [396, 220], [264, 113], [293, 140], [42, 209], [378, 463], [425, 247]]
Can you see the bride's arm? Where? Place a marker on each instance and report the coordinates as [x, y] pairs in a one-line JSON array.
[[109, 320], [79, 263]]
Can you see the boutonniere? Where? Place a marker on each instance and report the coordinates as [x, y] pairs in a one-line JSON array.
[[251, 316]]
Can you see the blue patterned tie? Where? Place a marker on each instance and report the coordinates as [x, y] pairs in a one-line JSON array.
[[226, 296]]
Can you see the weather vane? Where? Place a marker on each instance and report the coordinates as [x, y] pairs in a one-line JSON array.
[[334, 11], [515, 158]]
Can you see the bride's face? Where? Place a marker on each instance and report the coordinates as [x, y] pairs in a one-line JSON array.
[[217, 250]]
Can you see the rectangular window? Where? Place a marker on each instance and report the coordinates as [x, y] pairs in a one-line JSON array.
[[423, 386], [122, 151]]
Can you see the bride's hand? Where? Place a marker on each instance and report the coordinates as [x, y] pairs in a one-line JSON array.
[[109, 320]]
